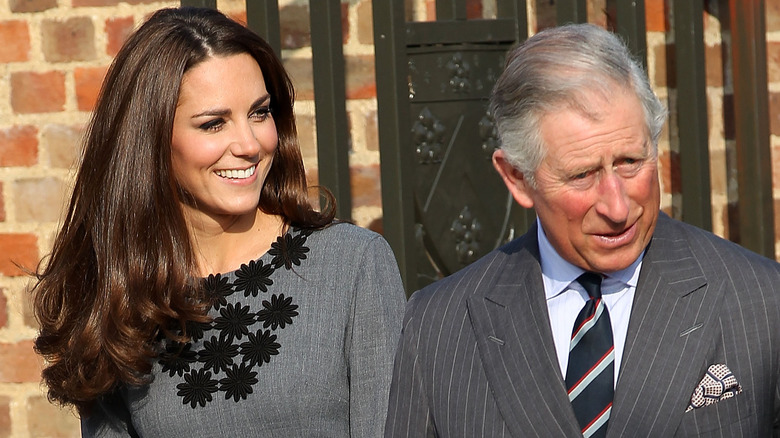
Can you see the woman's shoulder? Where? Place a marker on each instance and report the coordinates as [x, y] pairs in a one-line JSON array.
[[345, 233]]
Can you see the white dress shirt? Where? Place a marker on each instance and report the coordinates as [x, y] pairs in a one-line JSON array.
[[565, 299]]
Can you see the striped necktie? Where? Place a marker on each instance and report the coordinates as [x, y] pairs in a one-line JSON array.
[[591, 370]]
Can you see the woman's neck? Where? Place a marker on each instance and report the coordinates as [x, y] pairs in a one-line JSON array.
[[222, 244]]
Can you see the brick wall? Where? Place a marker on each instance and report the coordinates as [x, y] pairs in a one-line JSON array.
[[54, 53]]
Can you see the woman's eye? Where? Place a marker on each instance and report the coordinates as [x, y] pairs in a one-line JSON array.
[[212, 125], [261, 114]]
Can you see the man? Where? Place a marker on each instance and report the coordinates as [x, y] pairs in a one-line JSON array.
[[672, 331]]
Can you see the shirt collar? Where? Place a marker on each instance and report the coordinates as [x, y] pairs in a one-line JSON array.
[[557, 273]]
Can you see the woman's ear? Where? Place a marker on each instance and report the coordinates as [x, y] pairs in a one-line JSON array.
[[514, 179]]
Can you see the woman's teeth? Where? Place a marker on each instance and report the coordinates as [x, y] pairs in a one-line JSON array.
[[237, 174]]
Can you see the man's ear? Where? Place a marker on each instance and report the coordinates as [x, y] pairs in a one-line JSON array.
[[514, 179]]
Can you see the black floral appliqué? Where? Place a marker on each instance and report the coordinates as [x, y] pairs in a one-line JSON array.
[[215, 359], [289, 250], [177, 358], [195, 330], [238, 383], [259, 348], [234, 321], [279, 312], [218, 354], [217, 290], [197, 388], [254, 277]]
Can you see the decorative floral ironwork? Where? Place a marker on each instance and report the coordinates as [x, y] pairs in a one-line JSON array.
[[489, 135], [460, 74], [428, 134], [467, 232]]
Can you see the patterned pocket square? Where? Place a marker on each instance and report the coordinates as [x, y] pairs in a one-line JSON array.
[[718, 384]]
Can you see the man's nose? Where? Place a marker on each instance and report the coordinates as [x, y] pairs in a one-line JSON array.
[[613, 202]]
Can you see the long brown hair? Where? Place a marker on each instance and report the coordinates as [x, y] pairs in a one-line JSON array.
[[122, 269]]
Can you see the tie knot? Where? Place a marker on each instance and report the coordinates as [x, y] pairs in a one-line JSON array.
[[592, 284]]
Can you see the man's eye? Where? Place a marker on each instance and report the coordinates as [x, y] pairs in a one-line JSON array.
[[582, 175]]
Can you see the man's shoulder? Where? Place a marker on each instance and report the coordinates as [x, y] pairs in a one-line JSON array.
[[477, 277], [711, 248]]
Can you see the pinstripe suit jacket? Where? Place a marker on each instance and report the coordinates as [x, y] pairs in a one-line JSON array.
[[477, 359]]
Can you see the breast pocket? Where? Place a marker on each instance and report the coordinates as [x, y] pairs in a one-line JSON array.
[[733, 417]]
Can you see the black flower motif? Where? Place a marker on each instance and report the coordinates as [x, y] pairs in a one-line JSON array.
[[217, 289], [234, 321], [176, 358], [217, 354], [279, 312], [254, 277], [260, 347], [238, 383], [195, 330], [197, 388], [288, 250]]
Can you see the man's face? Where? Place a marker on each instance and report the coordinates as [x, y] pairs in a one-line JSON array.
[[597, 194]]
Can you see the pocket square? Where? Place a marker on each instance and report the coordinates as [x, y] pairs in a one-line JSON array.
[[717, 384]]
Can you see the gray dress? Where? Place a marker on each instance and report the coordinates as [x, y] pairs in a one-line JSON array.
[[301, 345]]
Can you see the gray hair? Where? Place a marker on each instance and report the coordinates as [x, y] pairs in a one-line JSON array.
[[553, 70]]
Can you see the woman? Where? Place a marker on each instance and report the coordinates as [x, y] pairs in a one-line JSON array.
[[192, 290]]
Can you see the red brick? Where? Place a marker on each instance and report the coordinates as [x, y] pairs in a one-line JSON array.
[[772, 18], [47, 420], [372, 130], [664, 66], [17, 250], [366, 190], [307, 130], [669, 162], [18, 32], [345, 26], [777, 218], [772, 61], [37, 92], [88, 81], [62, 143], [713, 58], [32, 5], [774, 125], [473, 9], [294, 23], [5, 417], [300, 71], [656, 19], [239, 16], [19, 363], [117, 30], [365, 24], [18, 146], [360, 77], [79, 3], [3, 308], [68, 40], [2, 205], [38, 199]]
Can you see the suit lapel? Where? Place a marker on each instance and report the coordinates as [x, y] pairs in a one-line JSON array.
[[514, 339], [670, 329]]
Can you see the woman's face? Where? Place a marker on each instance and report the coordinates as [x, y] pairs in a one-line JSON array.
[[224, 137]]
